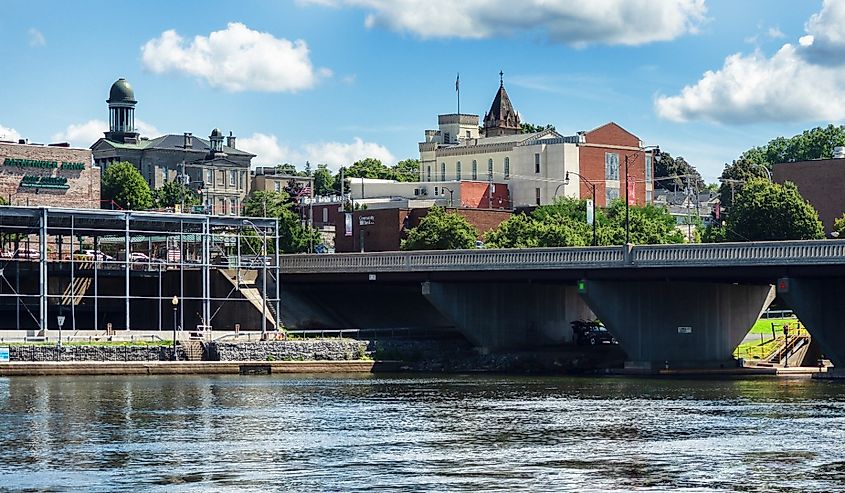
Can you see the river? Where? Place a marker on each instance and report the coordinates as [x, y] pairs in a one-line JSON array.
[[420, 433]]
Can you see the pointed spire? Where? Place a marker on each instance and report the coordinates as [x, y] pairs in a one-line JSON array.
[[502, 119], [501, 78]]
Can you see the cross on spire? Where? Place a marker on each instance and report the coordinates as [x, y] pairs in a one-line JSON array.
[[501, 78]]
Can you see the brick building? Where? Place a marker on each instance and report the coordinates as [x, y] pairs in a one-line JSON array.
[[820, 182], [601, 160], [382, 230], [53, 176], [459, 194]]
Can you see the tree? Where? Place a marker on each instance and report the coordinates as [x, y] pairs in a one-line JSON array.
[[816, 143], [770, 211], [323, 180], [174, 192], [407, 170], [839, 226], [369, 168], [289, 169], [441, 230], [522, 231], [735, 176], [649, 225], [123, 184], [530, 128], [294, 237], [676, 173]]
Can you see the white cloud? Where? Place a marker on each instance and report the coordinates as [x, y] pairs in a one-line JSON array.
[[629, 22], [803, 82], [236, 59], [775, 33], [9, 134], [36, 38], [85, 134], [270, 152]]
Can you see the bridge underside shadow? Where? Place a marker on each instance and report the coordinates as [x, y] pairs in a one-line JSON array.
[[504, 316], [818, 304], [358, 306], [682, 324]]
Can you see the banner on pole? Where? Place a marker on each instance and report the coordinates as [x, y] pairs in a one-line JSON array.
[[590, 209]]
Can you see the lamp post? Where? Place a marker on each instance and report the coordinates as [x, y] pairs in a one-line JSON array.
[[263, 277], [61, 320], [655, 153], [175, 302], [451, 194], [593, 190]]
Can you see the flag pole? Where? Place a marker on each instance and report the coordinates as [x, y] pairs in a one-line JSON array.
[[458, 90]]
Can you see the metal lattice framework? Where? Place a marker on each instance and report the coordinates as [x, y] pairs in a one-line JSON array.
[[73, 252]]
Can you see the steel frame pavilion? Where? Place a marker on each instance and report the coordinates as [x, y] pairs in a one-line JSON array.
[[195, 237]]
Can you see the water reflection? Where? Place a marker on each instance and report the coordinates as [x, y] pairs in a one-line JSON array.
[[359, 433]]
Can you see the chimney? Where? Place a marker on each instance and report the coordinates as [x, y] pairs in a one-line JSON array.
[[188, 140], [230, 141]]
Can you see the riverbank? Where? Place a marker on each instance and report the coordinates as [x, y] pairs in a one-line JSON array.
[[41, 368]]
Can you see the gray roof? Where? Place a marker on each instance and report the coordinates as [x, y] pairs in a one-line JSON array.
[[176, 142]]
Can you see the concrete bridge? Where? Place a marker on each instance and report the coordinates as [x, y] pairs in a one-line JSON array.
[[688, 305]]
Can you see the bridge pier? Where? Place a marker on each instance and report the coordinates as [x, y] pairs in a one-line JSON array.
[[684, 324], [509, 315], [817, 303]]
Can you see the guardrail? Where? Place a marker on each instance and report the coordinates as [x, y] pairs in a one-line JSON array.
[[812, 252]]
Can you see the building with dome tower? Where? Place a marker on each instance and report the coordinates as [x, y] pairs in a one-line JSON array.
[[215, 166]]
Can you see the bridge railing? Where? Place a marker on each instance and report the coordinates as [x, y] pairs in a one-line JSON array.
[[638, 256]]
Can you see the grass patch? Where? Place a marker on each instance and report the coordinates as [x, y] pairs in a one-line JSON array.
[[764, 325]]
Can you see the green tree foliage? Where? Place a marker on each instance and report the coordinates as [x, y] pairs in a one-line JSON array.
[[294, 237], [173, 193], [530, 128], [441, 230], [816, 143], [369, 168], [406, 170], [676, 173], [124, 184], [323, 180], [564, 223], [770, 211], [735, 176], [289, 169], [839, 226]]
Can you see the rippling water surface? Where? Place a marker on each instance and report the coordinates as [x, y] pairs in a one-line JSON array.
[[397, 433]]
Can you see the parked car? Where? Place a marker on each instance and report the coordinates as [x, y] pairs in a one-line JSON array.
[[27, 253], [591, 332], [98, 255], [138, 257]]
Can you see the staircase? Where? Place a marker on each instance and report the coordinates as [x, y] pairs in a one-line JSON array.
[[194, 350]]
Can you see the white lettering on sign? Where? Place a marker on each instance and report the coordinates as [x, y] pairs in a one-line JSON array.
[[684, 330], [366, 220]]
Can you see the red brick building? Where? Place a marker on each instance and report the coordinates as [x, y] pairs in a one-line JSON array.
[[821, 182], [601, 159], [53, 176], [382, 230]]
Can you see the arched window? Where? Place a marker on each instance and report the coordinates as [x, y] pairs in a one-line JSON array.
[[507, 168], [442, 171], [474, 169], [428, 173], [458, 171], [490, 169]]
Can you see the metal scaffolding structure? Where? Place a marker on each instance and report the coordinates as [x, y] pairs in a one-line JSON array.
[[126, 270]]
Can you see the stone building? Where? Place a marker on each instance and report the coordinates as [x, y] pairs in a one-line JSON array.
[[53, 176], [214, 166], [534, 165]]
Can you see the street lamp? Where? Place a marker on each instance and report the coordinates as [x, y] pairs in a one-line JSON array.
[[451, 194], [655, 153], [61, 320], [175, 302], [593, 189], [263, 277]]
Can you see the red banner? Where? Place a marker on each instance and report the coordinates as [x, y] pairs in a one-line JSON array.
[[632, 196]]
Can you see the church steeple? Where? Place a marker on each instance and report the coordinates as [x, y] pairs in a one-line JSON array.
[[502, 119]]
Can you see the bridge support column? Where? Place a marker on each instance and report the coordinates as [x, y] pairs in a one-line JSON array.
[[500, 316], [817, 303], [687, 324]]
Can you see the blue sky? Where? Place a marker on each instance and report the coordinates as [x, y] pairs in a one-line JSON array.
[[337, 80]]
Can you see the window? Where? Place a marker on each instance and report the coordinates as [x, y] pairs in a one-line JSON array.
[[507, 168], [458, 171], [611, 194], [442, 171], [222, 202], [277, 186], [209, 177], [428, 173], [474, 169], [468, 134], [221, 178], [233, 206], [489, 170], [242, 181], [446, 137], [436, 191], [611, 166], [537, 195], [233, 178], [537, 162], [648, 175]]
